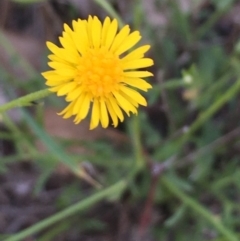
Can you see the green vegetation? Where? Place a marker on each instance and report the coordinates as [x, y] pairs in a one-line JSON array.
[[178, 162]]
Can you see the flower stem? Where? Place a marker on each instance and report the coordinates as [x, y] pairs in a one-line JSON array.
[[25, 100], [134, 130], [228, 95], [198, 209], [80, 206]]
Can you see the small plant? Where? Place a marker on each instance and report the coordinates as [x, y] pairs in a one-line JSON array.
[[176, 166]]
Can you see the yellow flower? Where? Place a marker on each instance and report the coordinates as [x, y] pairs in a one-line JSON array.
[[95, 72]]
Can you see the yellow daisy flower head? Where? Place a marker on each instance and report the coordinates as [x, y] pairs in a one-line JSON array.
[[96, 71]]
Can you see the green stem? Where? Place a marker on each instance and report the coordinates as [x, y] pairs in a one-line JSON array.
[[54, 148], [5, 136], [80, 206], [27, 156], [198, 209], [136, 143], [25, 100], [228, 95]]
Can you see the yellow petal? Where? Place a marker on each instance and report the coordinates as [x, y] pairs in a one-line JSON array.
[[120, 37], [103, 114], [53, 48], [124, 104], [52, 76], [83, 109], [89, 30], [55, 88], [78, 104], [52, 83], [129, 99], [57, 65], [67, 112], [128, 43], [96, 32], [137, 74], [138, 83], [62, 53], [68, 44], [105, 28], [55, 58], [80, 37], [116, 109], [137, 64], [134, 95], [136, 54], [67, 29], [68, 72], [66, 88], [95, 115], [112, 113], [74, 94], [111, 33]]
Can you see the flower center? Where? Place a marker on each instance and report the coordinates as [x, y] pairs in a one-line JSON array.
[[99, 72]]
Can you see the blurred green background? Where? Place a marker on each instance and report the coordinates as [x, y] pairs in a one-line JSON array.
[[176, 165]]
